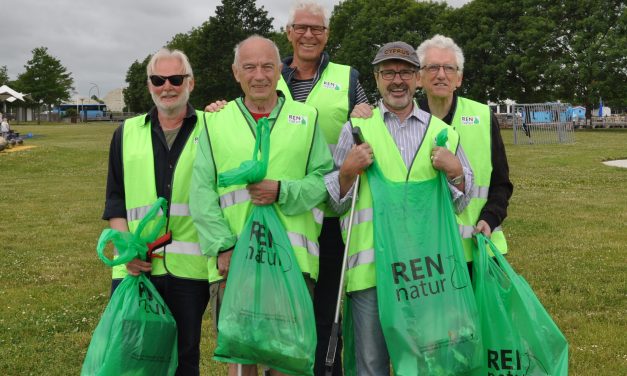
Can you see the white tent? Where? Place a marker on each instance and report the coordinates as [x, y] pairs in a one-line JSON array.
[[9, 95]]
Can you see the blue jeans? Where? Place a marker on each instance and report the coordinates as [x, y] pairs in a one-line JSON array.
[[371, 353]]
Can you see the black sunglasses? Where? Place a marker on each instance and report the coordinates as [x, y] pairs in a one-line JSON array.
[[176, 80]]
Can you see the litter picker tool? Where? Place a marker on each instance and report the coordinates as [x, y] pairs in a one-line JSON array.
[[330, 358]]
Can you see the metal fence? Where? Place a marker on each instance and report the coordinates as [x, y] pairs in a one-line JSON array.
[[543, 123]]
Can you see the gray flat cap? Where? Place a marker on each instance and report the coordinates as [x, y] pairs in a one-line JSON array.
[[397, 51]]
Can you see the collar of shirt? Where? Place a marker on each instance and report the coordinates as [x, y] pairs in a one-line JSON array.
[[153, 118], [417, 116], [288, 71], [273, 114], [448, 119]]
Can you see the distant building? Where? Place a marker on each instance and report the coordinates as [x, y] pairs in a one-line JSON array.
[[115, 100], [578, 112]]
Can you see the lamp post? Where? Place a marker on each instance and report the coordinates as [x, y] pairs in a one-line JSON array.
[[93, 85], [76, 99]]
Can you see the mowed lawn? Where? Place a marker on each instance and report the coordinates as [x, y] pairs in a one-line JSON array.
[[567, 232]]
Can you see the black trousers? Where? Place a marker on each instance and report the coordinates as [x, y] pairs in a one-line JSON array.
[[187, 300], [325, 293]]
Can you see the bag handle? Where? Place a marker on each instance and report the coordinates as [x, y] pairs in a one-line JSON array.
[[134, 245], [500, 268]]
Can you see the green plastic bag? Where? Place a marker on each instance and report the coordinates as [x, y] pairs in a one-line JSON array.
[[519, 336], [426, 304], [137, 333], [267, 315], [252, 171]]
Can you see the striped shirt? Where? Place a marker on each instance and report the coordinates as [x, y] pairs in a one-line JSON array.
[[408, 136], [301, 89]]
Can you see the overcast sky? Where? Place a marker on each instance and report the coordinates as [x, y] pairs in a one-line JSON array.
[[97, 40]]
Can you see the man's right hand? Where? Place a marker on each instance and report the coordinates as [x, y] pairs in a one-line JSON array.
[[216, 106], [362, 111], [224, 262], [136, 266], [357, 160]]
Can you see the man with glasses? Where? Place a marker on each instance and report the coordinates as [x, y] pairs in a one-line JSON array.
[[151, 156], [442, 63], [333, 89], [406, 136]]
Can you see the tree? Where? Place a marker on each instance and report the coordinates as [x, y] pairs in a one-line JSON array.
[[210, 48], [360, 27], [45, 79], [590, 44], [136, 95], [540, 51], [4, 76]]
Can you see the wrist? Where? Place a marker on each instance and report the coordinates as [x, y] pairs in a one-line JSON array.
[[456, 180], [278, 191]]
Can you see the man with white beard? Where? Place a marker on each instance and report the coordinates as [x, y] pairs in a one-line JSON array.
[[151, 156]]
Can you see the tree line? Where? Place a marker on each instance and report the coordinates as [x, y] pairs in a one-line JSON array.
[[530, 51]]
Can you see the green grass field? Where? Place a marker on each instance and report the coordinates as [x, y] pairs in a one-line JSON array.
[[567, 231]]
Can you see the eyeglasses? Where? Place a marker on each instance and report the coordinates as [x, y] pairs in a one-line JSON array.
[[175, 80], [435, 68], [302, 29], [405, 74]]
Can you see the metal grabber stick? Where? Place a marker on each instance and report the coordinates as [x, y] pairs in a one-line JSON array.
[[330, 359]]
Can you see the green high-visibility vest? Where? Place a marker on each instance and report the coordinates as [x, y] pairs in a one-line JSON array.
[[472, 121], [330, 96], [360, 273], [232, 139], [183, 257]]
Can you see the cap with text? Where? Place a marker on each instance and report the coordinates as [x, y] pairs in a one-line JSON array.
[[397, 51]]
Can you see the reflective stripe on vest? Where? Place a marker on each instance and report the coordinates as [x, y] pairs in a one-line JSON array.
[[360, 216], [137, 214], [241, 195], [299, 240], [479, 192], [472, 120], [180, 248], [360, 258], [360, 272]]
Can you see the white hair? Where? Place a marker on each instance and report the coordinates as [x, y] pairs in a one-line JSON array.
[[255, 36], [166, 53], [308, 6], [441, 42]]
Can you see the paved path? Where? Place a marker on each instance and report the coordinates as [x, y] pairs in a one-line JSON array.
[[618, 163]]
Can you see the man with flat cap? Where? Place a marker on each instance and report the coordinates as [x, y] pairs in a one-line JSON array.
[[403, 138]]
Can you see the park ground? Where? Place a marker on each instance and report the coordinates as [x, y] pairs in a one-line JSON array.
[[567, 233]]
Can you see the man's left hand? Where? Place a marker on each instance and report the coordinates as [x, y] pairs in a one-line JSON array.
[[484, 228], [263, 193], [442, 159]]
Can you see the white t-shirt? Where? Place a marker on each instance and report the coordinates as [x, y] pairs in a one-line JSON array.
[[4, 127]]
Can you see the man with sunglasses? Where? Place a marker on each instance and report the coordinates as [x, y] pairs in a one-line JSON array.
[[403, 137], [151, 156], [442, 66]]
